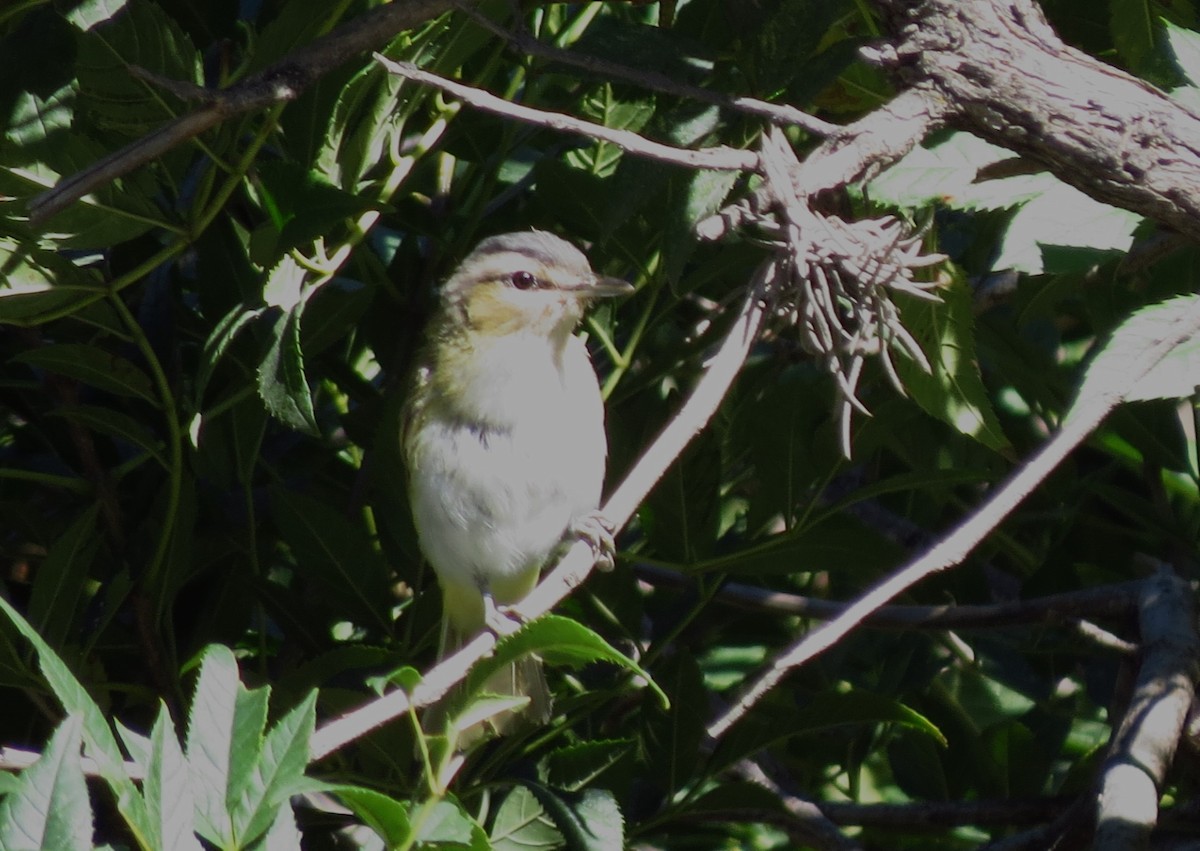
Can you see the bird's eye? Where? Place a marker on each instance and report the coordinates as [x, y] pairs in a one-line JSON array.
[[524, 280]]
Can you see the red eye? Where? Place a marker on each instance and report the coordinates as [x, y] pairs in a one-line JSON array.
[[524, 280]]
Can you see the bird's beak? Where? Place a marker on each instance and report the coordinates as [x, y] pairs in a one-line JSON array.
[[601, 287]]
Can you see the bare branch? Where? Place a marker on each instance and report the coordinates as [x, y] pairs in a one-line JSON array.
[[720, 158], [1145, 742]]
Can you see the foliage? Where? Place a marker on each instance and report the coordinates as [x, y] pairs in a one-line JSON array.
[[201, 486]]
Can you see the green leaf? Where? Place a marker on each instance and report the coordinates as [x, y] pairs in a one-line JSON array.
[[1063, 217], [559, 641], [93, 366], [115, 424], [90, 13], [283, 835], [578, 766], [941, 171], [50, 809], [832, 542], [278, 772], [337, 556], [143, 35], [1175, 376], [1184, 47], [224, 742], [521, 824], [97, 736], [222, 336], [588, 821], [62, 577], [303, 205], [281, 381], [386, 816], [954, 391], [115, 212], [1137, 34], [37, 283], [674, 738], [445, 822], [822, 713], [168, 788]]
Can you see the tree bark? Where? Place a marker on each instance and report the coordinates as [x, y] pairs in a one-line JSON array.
[[1007, 77]]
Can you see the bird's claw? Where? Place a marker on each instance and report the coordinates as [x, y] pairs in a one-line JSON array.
[[501, 620], [597, 531]]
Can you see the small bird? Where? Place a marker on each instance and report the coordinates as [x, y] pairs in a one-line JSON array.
[[504, 439]]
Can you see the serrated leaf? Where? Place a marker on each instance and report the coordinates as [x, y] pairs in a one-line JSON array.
[[144, 35], [446, 822], [168, 788], [61, 579], [222, 336], [1062, 216], [939, 172], [577, 766], [224, 737], [277, 772], [93, 366], [283, 835], [590, 820], [50, 810], [98, 737], [386, 816], [1119, 368], [281, 382], [521, 824], [953, 391], [559, 641]]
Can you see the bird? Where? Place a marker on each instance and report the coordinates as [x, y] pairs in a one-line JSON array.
[[504, 441]]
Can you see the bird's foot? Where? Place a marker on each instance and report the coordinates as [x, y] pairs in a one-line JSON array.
[[499, 619], [596, 530]]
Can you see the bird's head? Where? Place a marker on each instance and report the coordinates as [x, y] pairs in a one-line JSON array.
[[530, 282]]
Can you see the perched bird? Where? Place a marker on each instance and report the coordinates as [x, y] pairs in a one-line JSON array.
[[504, 437]]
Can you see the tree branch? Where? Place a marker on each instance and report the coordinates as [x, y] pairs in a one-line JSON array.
[[283, 81], [720, 158], [1008, 78], [1104, 601], [1145, 742]]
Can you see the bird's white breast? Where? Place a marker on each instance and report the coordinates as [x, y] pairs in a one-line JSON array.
[[495, 488]]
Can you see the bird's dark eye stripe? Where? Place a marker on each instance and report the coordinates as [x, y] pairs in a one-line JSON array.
[[524, 280]]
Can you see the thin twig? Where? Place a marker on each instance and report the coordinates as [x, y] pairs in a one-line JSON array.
[[1105, 601], [575, 566], [780, 114], [720, 158]]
